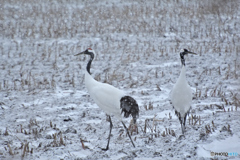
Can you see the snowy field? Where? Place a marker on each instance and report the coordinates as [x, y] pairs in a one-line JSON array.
[[46, 111]]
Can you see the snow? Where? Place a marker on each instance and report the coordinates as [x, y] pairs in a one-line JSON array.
[[44, 103], [229, 145]]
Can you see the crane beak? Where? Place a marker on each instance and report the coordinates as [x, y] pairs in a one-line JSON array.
[[80, 53], [191, 52]]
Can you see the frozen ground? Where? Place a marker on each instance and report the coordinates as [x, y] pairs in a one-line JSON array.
[[46, 112]]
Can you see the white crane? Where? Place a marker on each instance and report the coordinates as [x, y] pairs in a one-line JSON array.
[[110, 99], [181, 94]]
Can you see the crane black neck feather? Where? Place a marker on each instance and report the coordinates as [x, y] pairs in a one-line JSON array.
[[182, 58], [90, 61]]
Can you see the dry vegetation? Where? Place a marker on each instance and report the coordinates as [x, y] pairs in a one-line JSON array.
[[132, 40], [48, 33]]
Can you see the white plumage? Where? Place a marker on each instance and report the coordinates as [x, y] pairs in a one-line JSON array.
[[181, 94], [110, 99], [104, 95]]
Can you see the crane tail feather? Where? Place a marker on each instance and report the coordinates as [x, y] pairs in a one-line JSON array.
[[129, 106]]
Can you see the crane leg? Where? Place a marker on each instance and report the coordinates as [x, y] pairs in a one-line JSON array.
[[183, 128], [111, 125], [128, 133], [183, 123]]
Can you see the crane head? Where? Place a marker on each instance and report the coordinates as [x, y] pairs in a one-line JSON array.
[[184, 52], [88, 51]]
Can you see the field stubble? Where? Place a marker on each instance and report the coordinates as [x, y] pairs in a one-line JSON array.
[[45, 106]]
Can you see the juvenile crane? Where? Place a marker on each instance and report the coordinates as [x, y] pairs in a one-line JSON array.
[[110, 99], [181, 95]]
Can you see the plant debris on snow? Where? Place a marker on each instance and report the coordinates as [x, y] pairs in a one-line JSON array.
[[47, 113]]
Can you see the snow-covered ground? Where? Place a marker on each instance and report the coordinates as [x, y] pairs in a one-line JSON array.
[[45, 109]]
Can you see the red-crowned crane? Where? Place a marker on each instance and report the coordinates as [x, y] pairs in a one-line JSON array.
[[181, 94], [110, 99]]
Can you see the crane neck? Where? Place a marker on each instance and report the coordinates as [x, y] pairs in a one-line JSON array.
[[90, 62], [182, 77], [183, 72]]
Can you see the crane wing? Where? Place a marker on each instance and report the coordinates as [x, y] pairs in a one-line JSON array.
[[107, 97]]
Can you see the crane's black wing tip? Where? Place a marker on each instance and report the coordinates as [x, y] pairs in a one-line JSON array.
[[129, 106]]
